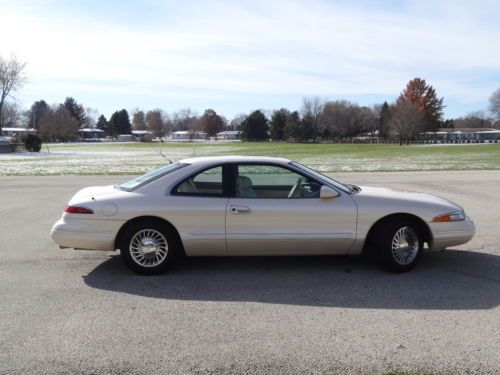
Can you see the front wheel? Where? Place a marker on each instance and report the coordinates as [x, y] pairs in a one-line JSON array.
[[147, 248], [399, 246]]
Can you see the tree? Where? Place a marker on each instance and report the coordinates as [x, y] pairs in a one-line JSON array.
[[278, 123], [76, 111], [292, 128], [32, 143], [423, 97], [495, 103], [102, 124], [338, 119], [476, 119], [384, 117], [37, 110], [254, 127], [211, 123], [119, 123], [237, 121], [58, 125], [405, 121], [139, 120], [185, 119], [11, 115], [11, 79], [311, 111], [91, 115], [154, 122]]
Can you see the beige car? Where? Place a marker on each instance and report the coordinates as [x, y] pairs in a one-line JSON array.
[[246, 205]]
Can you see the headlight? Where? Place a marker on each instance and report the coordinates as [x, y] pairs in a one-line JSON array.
[[454, 216]]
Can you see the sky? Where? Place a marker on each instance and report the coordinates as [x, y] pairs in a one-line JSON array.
[[238, 56]]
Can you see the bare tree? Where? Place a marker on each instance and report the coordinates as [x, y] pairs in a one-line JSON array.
[[495, 103], [406, 121], [311, 111], [211, 123], [57, 124], [11, 79], [237, 121], [476, 119], [338, 119], [138, 120], [185, 119], [11, 115], [154, 121], [91, 116]]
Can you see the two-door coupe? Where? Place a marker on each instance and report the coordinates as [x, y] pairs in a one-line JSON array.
[[249, 205]]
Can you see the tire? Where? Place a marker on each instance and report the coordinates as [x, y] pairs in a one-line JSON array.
[[148, 247], [399, 245]]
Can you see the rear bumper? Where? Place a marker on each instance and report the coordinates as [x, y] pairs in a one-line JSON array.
[[84, 234], [451, 234]]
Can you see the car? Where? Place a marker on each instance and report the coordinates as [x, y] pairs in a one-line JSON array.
[[256, 206]]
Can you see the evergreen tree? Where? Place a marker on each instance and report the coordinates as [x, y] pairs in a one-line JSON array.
[[278, 123], [76, 111], [35, 113], [292, 127], [102, 124], [124, 124], [255, 127], [383, 120], [119, 123]]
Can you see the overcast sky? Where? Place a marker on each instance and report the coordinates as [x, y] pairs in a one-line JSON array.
[[237, 56]]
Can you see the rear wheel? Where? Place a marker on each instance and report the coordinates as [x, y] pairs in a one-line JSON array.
[[148, 247], [399, 245]]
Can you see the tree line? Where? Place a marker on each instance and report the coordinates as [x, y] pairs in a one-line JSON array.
[[417, 109]]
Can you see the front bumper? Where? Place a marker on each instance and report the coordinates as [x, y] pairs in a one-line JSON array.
[[451, 233], [84, 234]]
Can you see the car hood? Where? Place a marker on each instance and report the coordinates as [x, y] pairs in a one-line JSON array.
[[411, 198]]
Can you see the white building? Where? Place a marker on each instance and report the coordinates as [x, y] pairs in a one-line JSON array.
[[91, 134], [12, 132], [143, 135], [228, 135], [184, 135]]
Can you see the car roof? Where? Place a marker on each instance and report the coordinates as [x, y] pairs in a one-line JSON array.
[[235, 159]]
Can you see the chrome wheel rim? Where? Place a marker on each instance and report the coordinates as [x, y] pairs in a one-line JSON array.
[[405, 246], [148, 248]]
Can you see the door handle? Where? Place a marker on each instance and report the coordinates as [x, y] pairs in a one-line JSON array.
[[240, 210]]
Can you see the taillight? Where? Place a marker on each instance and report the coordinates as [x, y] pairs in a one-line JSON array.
[[78, 210]]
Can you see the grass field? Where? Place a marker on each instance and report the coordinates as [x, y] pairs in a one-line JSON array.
[[136, 158]]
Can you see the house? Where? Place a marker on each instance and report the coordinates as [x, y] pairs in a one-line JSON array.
[[184, 135], [229, 135], [12, 132], [91, 134], [143, 135], [463, 135]]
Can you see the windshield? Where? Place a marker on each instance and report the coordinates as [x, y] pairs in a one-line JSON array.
[[322, 177], [154, 174]]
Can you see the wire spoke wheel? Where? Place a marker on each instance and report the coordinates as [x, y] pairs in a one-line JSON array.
[[148, 248], [405, 246]]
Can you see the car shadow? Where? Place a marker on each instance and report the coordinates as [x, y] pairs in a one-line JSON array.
[[450, 280]]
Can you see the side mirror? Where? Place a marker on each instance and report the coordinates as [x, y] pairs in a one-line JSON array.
[[327, 192]]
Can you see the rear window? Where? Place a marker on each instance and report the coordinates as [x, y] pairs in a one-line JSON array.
[[150, 176]]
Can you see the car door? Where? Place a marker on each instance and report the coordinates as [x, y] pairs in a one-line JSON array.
[[275, 210], [197, 209]]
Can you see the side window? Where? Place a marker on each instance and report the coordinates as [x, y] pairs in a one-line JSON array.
[[269, 181], [206, 183]]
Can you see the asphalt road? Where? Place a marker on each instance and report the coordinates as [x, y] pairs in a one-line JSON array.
[[84, 312]]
